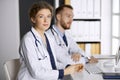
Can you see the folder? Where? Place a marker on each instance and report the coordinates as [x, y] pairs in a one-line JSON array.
[[111, 75], [56, 3], [90, 8], [76, 4], [97, 30], [88, 49], [86, 30], [82, 46], [95, 48], [83, 8], [74, 30], [67, 1], [97, 8], [92, 30]]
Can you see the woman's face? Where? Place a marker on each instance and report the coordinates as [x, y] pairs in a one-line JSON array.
[[42, 19]]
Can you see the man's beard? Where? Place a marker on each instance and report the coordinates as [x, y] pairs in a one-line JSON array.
[[64, 25]]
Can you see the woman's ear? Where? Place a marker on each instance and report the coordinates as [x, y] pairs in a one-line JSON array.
[[33, 20]]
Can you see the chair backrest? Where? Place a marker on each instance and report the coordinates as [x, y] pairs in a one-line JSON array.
[[11, 69]]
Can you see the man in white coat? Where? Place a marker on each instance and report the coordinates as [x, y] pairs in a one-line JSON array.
[[68, 52]]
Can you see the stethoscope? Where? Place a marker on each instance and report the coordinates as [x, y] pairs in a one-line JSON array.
[[57, 38], [36, 40]]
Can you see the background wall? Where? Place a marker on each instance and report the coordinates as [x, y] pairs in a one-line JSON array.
[[9, 32]]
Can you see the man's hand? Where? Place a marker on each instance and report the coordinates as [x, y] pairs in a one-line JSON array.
[[75, 57], [93, 60]]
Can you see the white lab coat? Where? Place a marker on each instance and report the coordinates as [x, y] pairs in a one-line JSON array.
[[32, 68], [63, 53]]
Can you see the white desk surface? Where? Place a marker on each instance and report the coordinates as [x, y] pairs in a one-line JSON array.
[[84, 75]]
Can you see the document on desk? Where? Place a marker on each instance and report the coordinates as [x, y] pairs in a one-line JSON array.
[[105, 56], [93, 69]]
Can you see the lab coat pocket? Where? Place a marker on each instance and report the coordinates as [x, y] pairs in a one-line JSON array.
[[44, 62]]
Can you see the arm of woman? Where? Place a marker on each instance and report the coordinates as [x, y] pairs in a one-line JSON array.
[[37, 69]]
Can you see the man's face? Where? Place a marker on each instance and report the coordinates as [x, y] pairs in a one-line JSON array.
[[66, 18]]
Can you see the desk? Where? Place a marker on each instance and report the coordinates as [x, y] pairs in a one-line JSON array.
[[84, 75]]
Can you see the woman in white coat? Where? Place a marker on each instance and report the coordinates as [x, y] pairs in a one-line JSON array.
[[37, 54]]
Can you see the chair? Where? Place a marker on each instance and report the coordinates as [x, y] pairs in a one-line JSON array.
[[11, 69]]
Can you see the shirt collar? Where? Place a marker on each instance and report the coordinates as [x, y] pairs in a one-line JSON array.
[[58, 31], [35, 32]]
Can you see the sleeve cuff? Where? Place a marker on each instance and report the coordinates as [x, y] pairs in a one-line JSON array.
[[67, 65], [86, 60], [61, 74]]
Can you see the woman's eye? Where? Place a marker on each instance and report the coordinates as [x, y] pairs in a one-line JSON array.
[[41, 16]]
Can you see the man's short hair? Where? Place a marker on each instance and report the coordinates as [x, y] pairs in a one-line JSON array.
[[60, 8]]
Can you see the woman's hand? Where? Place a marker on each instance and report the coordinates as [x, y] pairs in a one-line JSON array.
[[73, 69]]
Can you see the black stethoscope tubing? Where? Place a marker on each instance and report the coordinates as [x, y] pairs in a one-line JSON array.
[[59, 42], [36, 40]]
